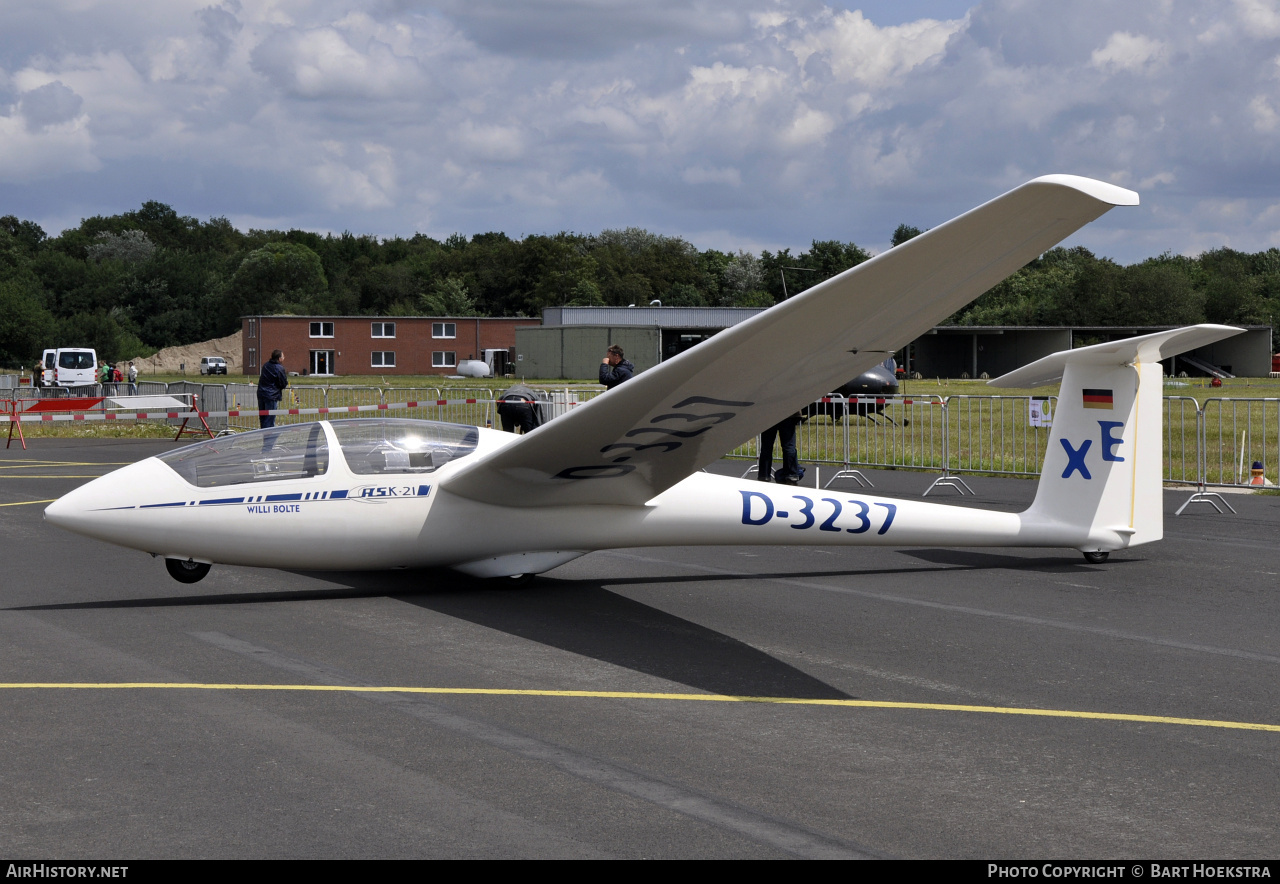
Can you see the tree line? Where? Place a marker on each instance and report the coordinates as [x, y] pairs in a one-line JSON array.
[[130, 284]]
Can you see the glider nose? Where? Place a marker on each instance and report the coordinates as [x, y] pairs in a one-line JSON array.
[[79, 510], [94, 509], [59, 512]]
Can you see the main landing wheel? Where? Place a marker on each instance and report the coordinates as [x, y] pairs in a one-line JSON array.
[[514, 581], [186, 572], [1096, 558]]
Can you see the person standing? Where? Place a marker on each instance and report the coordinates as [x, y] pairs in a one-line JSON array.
[[271, 384], [133, 379], [791, 472], [615, 369]]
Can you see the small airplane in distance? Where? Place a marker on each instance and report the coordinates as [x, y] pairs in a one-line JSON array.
[[876, 382], [623, 469]]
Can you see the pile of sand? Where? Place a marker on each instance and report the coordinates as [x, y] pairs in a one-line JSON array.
[[170, 359]]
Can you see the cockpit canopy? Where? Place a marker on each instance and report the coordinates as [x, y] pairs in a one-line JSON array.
[[369, 447], [386, 445]]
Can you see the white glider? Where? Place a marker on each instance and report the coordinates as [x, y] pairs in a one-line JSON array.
[[622, 470]]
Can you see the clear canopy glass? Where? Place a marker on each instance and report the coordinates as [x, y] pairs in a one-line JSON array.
[[297, 452], [388, 445], [370, 447]]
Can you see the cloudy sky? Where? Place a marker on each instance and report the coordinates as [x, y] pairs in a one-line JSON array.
[[734, 123]]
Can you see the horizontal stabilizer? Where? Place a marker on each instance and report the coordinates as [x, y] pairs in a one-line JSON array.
[[1146, 348]]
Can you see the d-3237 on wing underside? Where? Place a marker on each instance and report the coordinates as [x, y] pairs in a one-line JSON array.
[[623, 469]]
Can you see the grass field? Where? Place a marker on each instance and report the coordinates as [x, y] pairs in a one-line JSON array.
[[1198, 388], [982, 433]]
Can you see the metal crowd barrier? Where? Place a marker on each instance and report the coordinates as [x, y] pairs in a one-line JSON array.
[[1206, 446], [416, 394], [1182, 419], [242, 397], [1231, 436], [1237, 433], [992, 435]]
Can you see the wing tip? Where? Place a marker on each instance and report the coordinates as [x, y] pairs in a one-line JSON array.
[[1111, 194]]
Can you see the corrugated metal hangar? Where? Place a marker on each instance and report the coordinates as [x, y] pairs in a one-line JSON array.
[[978, 351], [572, 341]]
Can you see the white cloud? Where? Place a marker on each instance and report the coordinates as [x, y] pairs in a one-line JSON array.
[[1128, 52], [1158, 179], [777, 121], [48, 151], [501, 143], [1260, 16], [321, 63], [1265, 118], [343, 187], [856, 50], [808, 126]]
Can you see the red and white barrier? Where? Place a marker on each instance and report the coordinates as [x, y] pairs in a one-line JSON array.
[[49, 410], [27, 417], [22, 411]]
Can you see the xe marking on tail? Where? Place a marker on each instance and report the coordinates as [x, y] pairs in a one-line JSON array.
[[1075, 458], [1109, 442]]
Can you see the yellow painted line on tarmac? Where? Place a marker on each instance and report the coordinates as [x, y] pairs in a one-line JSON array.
[[642, 695], [28, 502], [32, 464]]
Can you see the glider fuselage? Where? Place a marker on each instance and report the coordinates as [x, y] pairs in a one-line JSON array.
[[343, 520]]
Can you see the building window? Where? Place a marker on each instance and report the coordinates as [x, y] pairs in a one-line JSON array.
[[384, 330], [384, 358], [322, 329], [253, 328], [444, 330], [253, 357], [444, 359]]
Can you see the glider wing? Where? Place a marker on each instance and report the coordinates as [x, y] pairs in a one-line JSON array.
[[630, 444]]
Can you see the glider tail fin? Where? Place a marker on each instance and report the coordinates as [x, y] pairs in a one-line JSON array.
[[1101, 485], [1102, 470]]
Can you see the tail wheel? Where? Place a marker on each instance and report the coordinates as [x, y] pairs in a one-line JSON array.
[[1096, 558], [186, 571]]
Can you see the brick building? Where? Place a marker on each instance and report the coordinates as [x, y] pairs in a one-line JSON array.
[[354, 345]]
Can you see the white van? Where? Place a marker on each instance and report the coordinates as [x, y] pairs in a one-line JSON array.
[[213, 365], [69, 367]]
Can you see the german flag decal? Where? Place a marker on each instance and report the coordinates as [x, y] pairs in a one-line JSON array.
[[1097, 399]]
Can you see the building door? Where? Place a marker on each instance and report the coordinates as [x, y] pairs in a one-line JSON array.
[[322, 362]]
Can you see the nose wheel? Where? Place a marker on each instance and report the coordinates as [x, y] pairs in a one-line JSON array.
[[186, 572], [1096, 558]]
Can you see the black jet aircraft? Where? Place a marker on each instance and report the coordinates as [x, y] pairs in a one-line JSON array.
[[876, 382]]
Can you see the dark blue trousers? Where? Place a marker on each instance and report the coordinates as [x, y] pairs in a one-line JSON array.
[[266, 403]]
